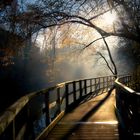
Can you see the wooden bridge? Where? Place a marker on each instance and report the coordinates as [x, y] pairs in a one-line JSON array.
[[92, 109]]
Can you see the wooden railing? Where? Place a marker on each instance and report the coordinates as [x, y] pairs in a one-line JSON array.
[[37, 112], [128, 105]]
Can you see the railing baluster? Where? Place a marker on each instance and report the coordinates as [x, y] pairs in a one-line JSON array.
[[13, 128], [90, 85], [99, 82], [80, 88], [58, 101], [74, 91], [67, 96], [127, 103], [112, 80], [103, 84], [85, 86], [107, 83], [29, 129], [47, 108], [95, 84]]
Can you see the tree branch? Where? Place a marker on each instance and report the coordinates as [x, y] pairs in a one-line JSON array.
[[92, 43], [102, 13], [110, 56], [106, 62]]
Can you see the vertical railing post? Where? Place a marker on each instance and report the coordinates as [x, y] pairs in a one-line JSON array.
[[99, 82], [107, 83], [125, 79], [90, 85], [113, 78], [103, 84], [13, 129], [130, 81], [67, 95], [74, 91], [80, 88], [95, 85], [85, 86], [29, 133], [47, 108], [118, 100], [58, 101], [30, 128]]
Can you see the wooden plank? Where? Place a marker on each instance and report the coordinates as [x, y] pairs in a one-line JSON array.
[[50, 127], [86, 122]]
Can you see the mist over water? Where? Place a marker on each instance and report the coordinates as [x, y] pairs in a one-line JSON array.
[[38, 72], [45, 68]]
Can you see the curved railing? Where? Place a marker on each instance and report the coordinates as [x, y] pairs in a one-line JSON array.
[[37, 112], [128, 105]]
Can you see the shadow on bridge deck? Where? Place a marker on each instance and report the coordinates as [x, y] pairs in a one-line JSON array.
[[93, 119]]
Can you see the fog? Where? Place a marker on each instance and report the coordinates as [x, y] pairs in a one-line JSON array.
[[37, 68]]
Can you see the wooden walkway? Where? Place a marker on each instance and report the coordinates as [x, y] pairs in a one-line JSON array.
[[93, 119]]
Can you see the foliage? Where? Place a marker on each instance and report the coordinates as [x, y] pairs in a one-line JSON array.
[[85, 12], [44, 14], [8, 47], [18, 24]]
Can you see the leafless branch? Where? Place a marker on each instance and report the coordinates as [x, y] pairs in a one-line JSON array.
[[106, 62]]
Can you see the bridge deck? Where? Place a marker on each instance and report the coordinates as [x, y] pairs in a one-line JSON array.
[[93, 119]]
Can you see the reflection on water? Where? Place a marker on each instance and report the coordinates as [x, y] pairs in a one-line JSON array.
[[39, 125]]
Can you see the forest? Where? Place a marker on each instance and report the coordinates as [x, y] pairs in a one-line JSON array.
[[41, 41]]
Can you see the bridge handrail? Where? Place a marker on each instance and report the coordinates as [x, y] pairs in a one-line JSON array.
[[64, 93], [122, 82], [128, 104]]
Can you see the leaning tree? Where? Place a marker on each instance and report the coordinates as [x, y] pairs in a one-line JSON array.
[[44, 14]]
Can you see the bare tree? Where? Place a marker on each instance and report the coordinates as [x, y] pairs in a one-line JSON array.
[[45, 14]]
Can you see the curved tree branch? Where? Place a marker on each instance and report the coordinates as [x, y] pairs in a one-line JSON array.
[[92, 42], [106, 63], [110, 56]]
